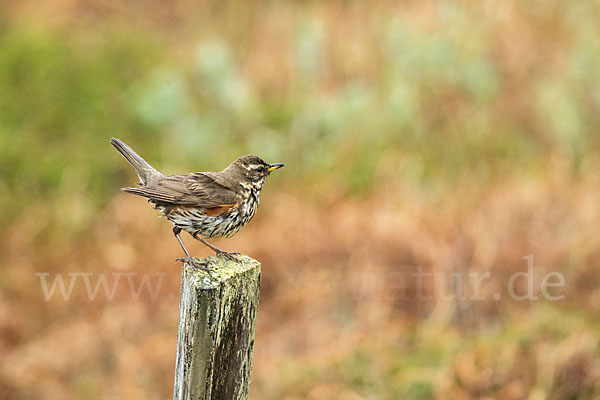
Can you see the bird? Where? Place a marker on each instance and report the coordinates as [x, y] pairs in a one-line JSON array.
[[204, 204]]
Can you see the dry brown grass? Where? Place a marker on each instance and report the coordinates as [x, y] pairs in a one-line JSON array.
[[327, 298]]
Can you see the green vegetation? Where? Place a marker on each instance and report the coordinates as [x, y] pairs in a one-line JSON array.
[[58, 106], [425, 106]]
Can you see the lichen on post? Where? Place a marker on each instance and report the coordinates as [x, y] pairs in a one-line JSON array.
[[217, 320]]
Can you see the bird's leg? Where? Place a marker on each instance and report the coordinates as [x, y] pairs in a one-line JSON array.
[[177, 231], [218, 250], [188, 258]]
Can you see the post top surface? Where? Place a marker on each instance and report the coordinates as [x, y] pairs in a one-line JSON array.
[[222, 269]]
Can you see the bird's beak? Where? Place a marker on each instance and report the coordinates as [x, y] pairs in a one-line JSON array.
[[273, 167]]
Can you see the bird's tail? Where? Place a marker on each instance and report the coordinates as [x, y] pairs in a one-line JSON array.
[[145, 171]]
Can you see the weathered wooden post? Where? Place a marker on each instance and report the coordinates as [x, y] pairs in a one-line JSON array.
[[217, 320]]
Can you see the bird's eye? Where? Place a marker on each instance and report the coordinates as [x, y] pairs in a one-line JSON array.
[[261, 170]]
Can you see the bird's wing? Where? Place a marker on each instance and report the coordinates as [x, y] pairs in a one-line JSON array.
[[195, 189]]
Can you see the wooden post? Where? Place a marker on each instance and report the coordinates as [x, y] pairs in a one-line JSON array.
[[217, 320]]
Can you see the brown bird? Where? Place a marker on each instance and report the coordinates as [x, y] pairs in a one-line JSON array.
[[204, 204]]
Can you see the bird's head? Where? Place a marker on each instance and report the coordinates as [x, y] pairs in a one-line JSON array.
[[252, 169]]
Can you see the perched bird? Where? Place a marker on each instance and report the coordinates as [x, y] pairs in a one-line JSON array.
[[204, 204]]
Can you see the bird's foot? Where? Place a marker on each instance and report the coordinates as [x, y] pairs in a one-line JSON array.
[[195, 263], [231, 256]]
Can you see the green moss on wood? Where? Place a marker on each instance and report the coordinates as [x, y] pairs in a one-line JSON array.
[[216, 329], [221, 269]]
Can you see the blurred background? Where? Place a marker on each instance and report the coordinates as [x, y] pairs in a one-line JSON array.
[[443, 137]]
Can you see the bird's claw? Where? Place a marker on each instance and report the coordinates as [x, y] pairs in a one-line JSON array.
[[194, 263], [230, 256]]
